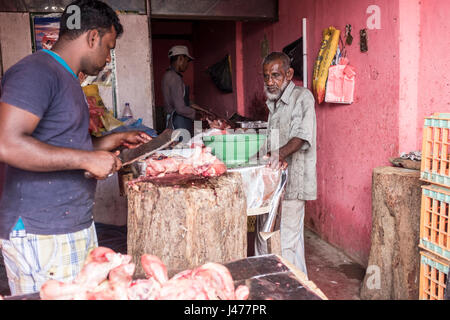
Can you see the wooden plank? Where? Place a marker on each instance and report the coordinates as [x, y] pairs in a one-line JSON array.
[[270, 277], [303, 279]]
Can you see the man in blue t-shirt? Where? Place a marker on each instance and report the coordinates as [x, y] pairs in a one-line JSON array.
[[46, 221]]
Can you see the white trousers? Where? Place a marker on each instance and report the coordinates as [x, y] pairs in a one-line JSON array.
[[291, 233]]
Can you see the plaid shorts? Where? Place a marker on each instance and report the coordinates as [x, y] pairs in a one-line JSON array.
[[32, 259]]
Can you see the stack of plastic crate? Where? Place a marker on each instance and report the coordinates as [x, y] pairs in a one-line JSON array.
[[434, 220]]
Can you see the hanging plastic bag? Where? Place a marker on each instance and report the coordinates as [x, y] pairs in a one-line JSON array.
[[341, 83], [100, 118], [221, 74]]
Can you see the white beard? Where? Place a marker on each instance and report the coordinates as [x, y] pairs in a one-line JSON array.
[[277, 95]]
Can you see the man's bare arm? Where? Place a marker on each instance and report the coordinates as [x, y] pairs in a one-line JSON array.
[[20, 149], [278, 158], [130, 139]]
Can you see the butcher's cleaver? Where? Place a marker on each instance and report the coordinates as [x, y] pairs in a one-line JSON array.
[[128, 156]]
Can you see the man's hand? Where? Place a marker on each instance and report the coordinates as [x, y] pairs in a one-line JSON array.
[[133, 139], [215, 123], [101, 164], [275, 161], [129, 139]]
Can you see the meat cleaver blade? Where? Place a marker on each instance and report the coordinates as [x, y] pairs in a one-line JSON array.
[[162, 141]]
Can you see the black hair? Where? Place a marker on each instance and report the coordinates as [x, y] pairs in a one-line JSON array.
[[94, 14], [283, 57]]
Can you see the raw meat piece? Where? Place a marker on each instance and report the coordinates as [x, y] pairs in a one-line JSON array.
[[186, 274], [101, 292], [201, 163], [183, 289], [154, 268], [96, 272], [98, 254], [218, 277], [57, 290], [144, 289], [216, 169], [109, 276], [242, 292], [215, 280], [220, 124], [186, 168], [98, 265], [120, 279], [157, 167]]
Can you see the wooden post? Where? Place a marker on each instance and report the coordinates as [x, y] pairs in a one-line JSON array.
[[188, 225]]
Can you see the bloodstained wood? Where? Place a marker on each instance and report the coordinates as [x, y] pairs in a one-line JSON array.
[[186, 225]]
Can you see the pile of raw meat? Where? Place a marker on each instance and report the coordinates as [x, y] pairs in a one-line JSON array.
[[108, 275], [201, 163]]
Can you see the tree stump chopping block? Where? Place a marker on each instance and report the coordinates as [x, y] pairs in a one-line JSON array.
[[394, 260], [187, 225]]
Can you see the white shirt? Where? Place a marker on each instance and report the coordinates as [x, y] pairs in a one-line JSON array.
[[294, 116]]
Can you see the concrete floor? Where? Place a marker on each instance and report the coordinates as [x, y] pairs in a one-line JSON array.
[[332, 271]]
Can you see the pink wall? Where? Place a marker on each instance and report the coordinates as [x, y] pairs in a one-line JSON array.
[[212, 41], [409, 53], [352, 139], [434, 72], [255, 36], [2, 176]]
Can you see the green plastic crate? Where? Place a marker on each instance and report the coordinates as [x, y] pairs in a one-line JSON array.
[[234, 149]]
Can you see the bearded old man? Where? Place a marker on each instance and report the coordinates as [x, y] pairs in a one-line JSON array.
[[291, 143]]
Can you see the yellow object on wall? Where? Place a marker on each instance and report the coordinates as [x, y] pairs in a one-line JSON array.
[[326, 55]]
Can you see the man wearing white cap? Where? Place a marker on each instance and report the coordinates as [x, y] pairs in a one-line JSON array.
[[179, 113]]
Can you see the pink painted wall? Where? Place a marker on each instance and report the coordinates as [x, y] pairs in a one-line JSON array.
[[212, 41], [352, 139], [434, 72], [2, 176], [409, 54], [255, 36]]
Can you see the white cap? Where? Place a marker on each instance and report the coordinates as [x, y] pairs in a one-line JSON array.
[[177, 50]]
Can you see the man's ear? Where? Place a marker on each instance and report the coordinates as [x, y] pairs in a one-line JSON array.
[[290, 74], [91, 37]]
